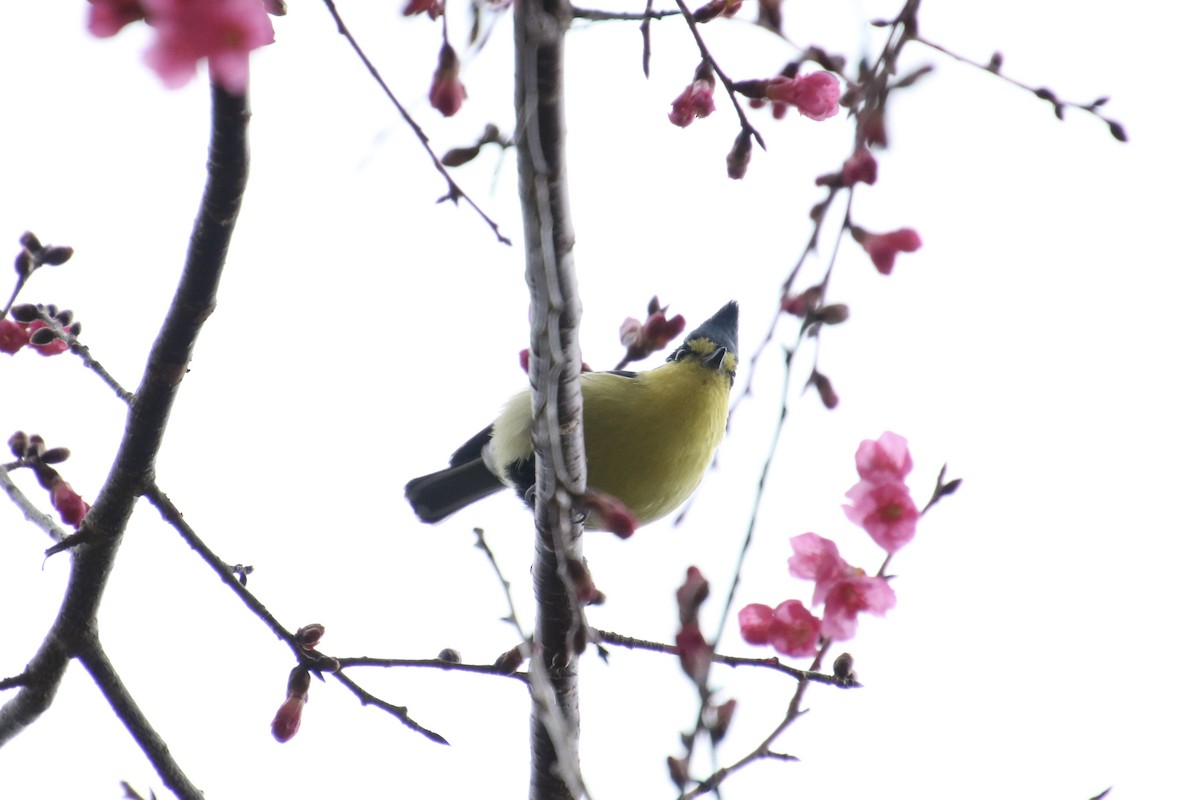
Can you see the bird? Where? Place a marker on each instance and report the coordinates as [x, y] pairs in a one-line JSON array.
[[649, 437]]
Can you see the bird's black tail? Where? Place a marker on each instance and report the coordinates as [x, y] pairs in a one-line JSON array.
[[439, 494]]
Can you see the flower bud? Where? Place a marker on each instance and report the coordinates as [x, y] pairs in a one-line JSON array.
[[447, 92], [721, 718], [56, 455], [458, 156], [585, 587], [450, 656], [26, 312], [299, 679], [695, 653], [287, 719], [843, 667], [510, 661], [24, 264], [738, 160], [834, 314], [691, 595], [56, 255], [18, 443], [825, 389], [678, 768], [42, 336], [309, 636], [70, 506], [36, 446], [607, 513]]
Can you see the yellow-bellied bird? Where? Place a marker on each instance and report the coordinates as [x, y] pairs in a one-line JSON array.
[[648, 436]]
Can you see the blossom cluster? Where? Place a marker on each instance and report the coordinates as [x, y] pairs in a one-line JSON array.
[[31, 452], [695, 101], [222, 31], [29, 327], [15, 335], [815, 95], [882, 506], [883, 247], [640, 339]]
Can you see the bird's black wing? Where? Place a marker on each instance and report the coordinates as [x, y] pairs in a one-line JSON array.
[[472, 448]]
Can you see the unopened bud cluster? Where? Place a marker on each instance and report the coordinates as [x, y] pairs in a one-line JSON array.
[[641, 338], [31, 452], [33, 255], [29, 326]]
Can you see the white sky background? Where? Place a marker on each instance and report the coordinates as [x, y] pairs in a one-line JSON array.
[[1040, 342]]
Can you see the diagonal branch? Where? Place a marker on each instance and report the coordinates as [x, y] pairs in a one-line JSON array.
[[94, 547], [96, 662]]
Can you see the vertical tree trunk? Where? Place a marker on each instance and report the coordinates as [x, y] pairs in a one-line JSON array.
[[554, 366]]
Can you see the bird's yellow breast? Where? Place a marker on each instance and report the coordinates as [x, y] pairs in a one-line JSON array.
[[649, 437]]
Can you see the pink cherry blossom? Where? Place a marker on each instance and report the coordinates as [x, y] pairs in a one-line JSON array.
[[695, 101], [815, 95], [816, 558], [883, 247], [755, 622], [795, 630], [884, 459], [222, 31], [886, 511], [13, 336], [431, 7], [860, 168], [849, 598], [643, 338], [108, 17]]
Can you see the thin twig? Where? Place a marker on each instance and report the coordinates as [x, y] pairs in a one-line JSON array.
[[432, 663], [31, 511], [97, 542], [482, 544], [174, 517], [599, 15], [85, 355], [720, 73], [762, 751], [771, 663], [399, 712], [784, 403], [1042, 93], [454, 192]]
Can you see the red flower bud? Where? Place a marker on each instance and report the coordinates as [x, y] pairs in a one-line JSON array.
[[607, 513], [287, 719], [447, 92]]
